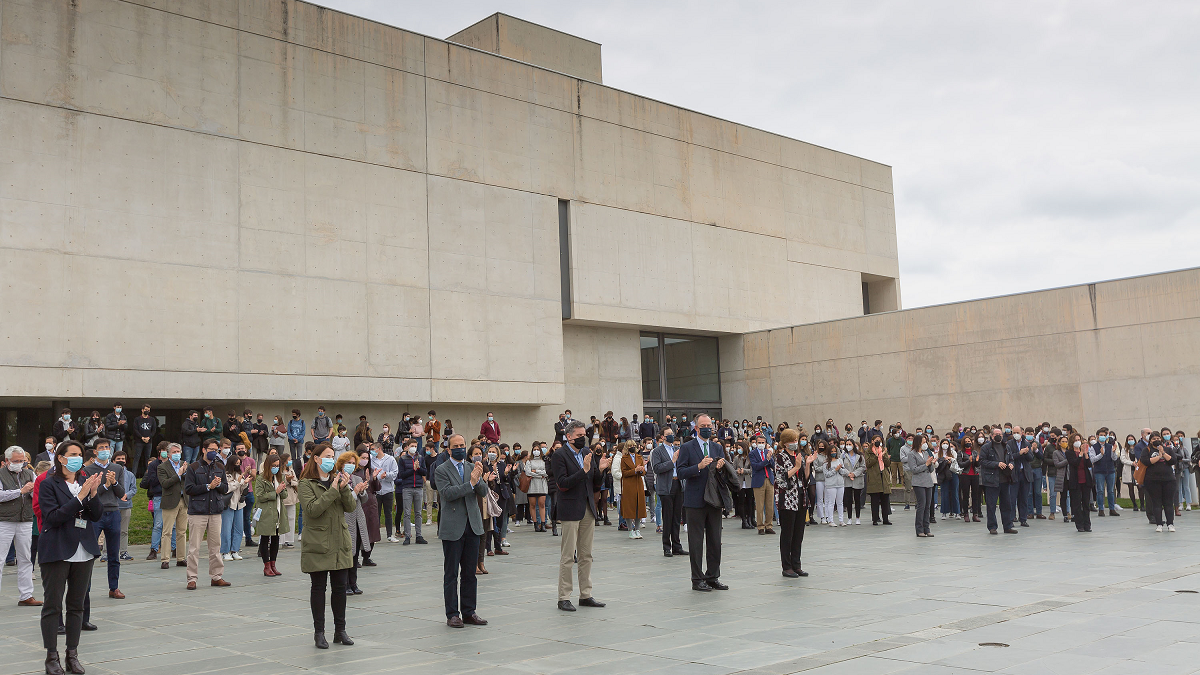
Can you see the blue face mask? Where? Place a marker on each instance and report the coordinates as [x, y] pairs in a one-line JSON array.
[[348, 468], [274, 469], [1103, 439], [458, 454], [327, 464], [1029, 437], [175, 456], [104, 455], [705, 433], [803, 443], [211, 455], [669, 439], [74, 463]]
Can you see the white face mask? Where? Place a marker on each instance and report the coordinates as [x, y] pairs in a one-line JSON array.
[[945, 446], [537, 453], [924, 447], [16, 467], [1078, 443], [49, 446]]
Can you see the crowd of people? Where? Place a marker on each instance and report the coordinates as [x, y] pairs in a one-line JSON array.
[[336, 494]]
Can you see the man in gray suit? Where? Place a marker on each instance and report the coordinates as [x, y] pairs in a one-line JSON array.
[[669, 491], [458, 487]]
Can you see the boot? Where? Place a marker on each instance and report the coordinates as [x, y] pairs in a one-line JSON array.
[[319, 638], [340, 637], [73, 664], [267, 569], [53, 666], [275, 569], [554, 529]]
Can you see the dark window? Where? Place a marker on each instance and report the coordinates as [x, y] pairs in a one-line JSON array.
[[564, 254], [691, 367], [651, 377]]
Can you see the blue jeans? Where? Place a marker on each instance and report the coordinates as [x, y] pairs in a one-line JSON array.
[[950, 495], [116, 446], [299, 519], [657, 510], [110, 525], [190, 453], [156, 533], [1185, 486], [1106, 482], [247, 511], [231, 530], [1035, 495]]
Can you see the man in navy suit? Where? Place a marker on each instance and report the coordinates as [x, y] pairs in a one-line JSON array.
[[762, 482], [697, 460]]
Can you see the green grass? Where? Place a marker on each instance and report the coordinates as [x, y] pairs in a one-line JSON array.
[[141, 521]]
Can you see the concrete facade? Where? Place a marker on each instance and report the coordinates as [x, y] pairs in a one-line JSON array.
[[1121, 354], [261, 201], [531, 43]]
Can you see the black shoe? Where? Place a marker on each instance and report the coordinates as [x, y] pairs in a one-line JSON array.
[[349, 591], [713, 583], [1009, 530], [679, 551], [319, 638], [340, 637], [356, 590], [53, 666], [590, 602], [366, 563], [73, 664], [566, 606], [790, 574], [887, 522], [701, 586], [1113, 513], [406, 542], [801, 573], [421, 540], [251, 542], [1024, 524], [88, 625], [554, 529], [667, 553]]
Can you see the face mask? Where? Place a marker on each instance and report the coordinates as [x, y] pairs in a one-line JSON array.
[[385, 430], [1046, 429], [49, 446], [924, 447], [1078, 443], [104, 455], [491, 456], [669, 438], [760, 446], [458, 454], [581, 442], [163, 454], [348, 469], [537, 453], [705, 433], [945, 446], [363, 461], [1129, 442], [908, 442], [489, 418], [327, 464], [175, 456], [803, 443], [16, 467], [224, 452], [74, 463], [241, 453], [1103, 439], [320, 413], [66, 418], [980, 439], [117, 410], [928, 430], [792, 446]]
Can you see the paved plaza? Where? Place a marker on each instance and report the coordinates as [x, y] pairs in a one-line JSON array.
[[878, 601]]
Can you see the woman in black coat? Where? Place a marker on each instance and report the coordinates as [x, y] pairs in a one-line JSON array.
[[1080, 482], [67, 548]]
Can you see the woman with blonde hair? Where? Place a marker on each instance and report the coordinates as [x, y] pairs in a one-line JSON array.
[[356, 521], [631, 471], [268, 518]]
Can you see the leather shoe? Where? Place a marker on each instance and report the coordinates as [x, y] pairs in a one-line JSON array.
[[790, 574], [501, 551], [701, 586], [340, 637], [667, 553], [590, 602], [475, 620], [219, 582], [713, 583], [73, 664], [319, 639], [801, 573], [366, 563], [770, 530], [1113, 513], [62, 630], [29, 602], [1024, 524], [152, 555], [88, 625], [53, 667], [181, 563], [566, 606], [454, 622], [166, 565], [679, 551], [992, 532], [191, 586], [1009, 530], [116, 594]]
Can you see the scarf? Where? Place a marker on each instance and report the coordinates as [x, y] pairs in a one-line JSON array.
[[879, 455]]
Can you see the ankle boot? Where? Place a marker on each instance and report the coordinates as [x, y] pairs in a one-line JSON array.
[[73, 664], [319, 638], [267, 569], [340, 637], [275, 569], [53, 666]]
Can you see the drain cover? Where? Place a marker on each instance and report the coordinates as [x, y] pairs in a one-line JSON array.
[[992, 644]]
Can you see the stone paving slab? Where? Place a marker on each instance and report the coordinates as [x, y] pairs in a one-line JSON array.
[[878, 601]]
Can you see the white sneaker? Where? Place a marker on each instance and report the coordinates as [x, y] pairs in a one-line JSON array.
[[428, 521], [1158, 529], [229, 557], [1189, 507], [237, 556], [857, 521], [505, 543], [683, 528], [832, 524], [393, 539], [297, 537], [1119, 507], [516, 524], [1170, 528]]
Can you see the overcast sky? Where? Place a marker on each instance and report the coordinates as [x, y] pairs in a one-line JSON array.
[[1032, 144]]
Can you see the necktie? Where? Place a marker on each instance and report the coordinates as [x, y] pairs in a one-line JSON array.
[[461, 476], [704, 448]]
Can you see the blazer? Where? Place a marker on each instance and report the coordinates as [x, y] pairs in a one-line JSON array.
[[663, 466], [458, 501], [688, 468], [59, 538], [990, 456], [576, 488], [171, 484], [763, 468]]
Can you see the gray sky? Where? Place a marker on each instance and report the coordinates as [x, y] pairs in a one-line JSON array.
[[1032, 144]]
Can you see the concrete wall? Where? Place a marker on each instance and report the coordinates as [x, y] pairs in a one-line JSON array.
[[266, 200], [1122, 354], [529, 42]]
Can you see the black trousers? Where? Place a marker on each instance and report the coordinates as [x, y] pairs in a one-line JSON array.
[[337, 598], [385, 507], [1160, 498], [791, 537], [704, 542], [71, 579], [968, 495], [268, 548], [1081, 506], [142, 452], [992, 495], [672, 512], [461, 556], [855, 502], [352, 573], [881, 501]]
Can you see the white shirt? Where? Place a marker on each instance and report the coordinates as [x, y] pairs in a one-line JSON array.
[[81, 554]]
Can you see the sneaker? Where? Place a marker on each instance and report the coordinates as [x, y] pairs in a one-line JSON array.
[[857, 521], [633, 534], [428, 521], [1170, 528], [227, 557], [237, 555], [639, 533], [103, 558], [505, 544], [1158, 529], [288, 544], [832, 524], [407, 541], [516, 524], [393, 539]]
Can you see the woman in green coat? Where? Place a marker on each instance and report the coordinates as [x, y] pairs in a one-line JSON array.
[[879, 482], [325, 555], [269, 523]]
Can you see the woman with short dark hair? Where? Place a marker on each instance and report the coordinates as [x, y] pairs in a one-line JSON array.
[[325, 552]]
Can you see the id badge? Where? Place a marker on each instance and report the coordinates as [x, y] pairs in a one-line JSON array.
[[81, 523]]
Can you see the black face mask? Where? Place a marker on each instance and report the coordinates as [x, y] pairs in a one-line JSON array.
[[705, 433], [579, 443]]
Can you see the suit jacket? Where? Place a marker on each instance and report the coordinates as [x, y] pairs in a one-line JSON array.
[[171, 483], [663, 465], [1024, 470], [458, 501], [59, 538], [762, 469], [576, 488], [695, 478]]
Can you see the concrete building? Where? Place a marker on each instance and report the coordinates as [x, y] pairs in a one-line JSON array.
[[269, 204]]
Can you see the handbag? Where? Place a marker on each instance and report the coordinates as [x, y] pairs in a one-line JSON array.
[[1139, 472], [524, 481], [493, 504]]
